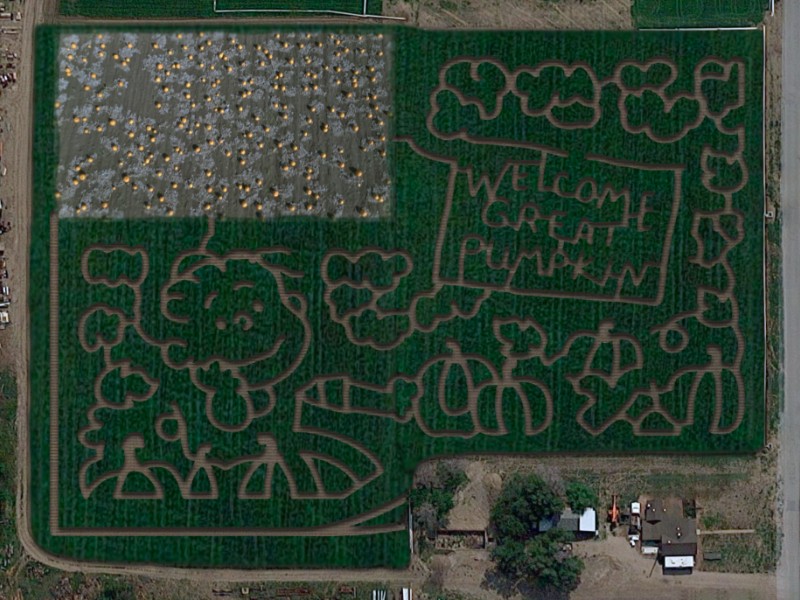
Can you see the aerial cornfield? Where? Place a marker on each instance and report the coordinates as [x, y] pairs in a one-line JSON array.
[[698, 13], [143, 9], [273, 270]]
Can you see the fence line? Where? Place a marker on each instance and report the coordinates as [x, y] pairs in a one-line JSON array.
[[338, 13]]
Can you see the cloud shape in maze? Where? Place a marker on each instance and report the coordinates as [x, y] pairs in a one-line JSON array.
[[469, 91], [647, 103], [567, 95]]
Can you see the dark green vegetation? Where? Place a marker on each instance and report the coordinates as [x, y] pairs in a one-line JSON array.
[[524, 501], [432, 500], [523, 555], [163, 9], [698, 13], [381, 425], [580, 496]]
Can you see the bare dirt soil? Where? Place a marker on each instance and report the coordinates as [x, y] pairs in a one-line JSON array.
[[735, 492], [613, 570], [513, 14]]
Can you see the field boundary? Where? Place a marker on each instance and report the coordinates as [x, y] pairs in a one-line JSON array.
[[72, 239], [764, 244], [742, 28], [362, 15]]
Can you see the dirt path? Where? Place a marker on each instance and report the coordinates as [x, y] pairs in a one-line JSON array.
[[613, 570], [789, 467], [15, 341]]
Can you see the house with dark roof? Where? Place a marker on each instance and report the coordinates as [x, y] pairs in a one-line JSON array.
[[583, 525], [666, 528]]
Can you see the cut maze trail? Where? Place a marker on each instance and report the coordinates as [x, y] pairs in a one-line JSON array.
[[246, 324], [270, 458]]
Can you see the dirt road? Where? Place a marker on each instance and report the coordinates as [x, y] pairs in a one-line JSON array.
[[789, 463], [613, 570], [15, 341]]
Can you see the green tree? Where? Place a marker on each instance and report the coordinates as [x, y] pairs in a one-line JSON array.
[[523, 502], [434, 498], [451, 476], [542, 561], [580, 496], [509, 557], [524, 555], [548, 564]]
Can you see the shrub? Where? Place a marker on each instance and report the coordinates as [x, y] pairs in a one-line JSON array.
[[580, 496]]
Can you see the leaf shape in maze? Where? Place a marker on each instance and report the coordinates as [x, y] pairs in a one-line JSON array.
[[575, 101], [721, 86], [374, 270], [101, 327], [663, 123], [723, 173], [125, 385]]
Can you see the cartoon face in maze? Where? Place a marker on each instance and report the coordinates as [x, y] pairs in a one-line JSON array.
[[240, 330]]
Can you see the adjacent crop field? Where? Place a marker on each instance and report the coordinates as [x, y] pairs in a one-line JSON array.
[[158, 9], [698, 13], [568, 259]]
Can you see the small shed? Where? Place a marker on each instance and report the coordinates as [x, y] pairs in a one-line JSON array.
[[588, 521], [582, 525]]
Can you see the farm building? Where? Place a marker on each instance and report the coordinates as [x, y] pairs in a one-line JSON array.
[[666, 528], [583, 525]]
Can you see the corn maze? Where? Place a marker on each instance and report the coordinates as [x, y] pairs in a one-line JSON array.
[[274, 270]]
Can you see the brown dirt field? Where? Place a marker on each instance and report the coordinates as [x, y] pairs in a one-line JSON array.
[[513, 14], [613, 570]]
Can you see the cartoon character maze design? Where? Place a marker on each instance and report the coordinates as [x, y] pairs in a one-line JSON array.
[[545, 289]]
